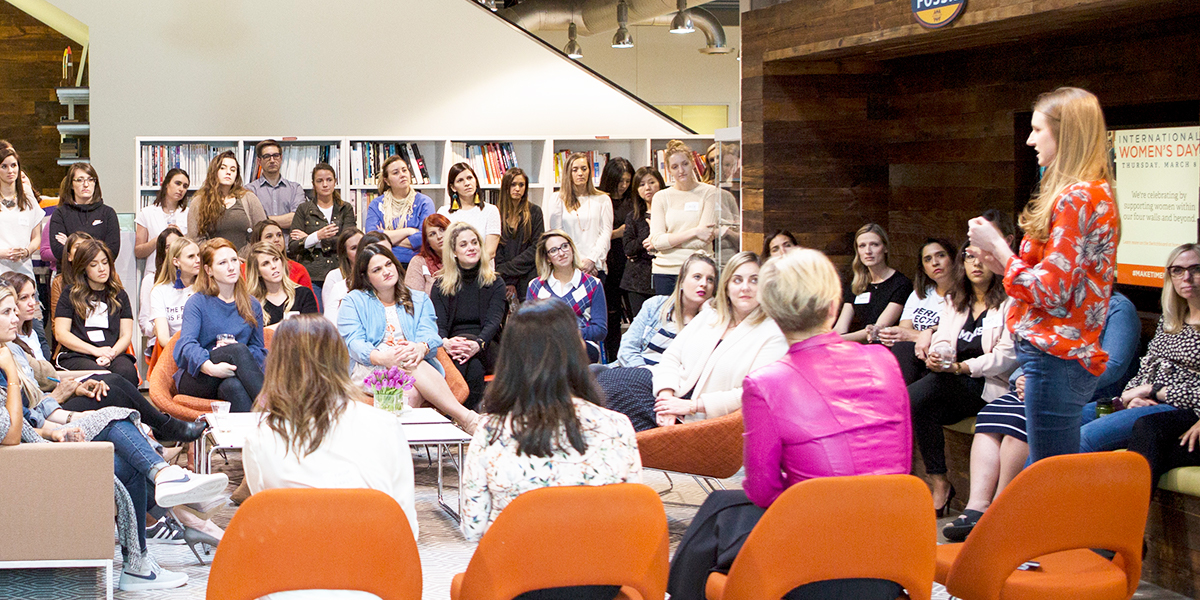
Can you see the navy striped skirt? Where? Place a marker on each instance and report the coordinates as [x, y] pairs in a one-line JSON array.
[[1004, 415]]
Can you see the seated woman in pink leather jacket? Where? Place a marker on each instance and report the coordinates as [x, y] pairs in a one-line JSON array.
[[827, 408]]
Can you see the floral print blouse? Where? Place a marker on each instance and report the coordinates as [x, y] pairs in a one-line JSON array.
[[494, 474], [1173, 360], [1062, 285]]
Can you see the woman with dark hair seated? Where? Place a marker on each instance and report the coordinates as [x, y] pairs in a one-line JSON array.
[[544, 426], [909, 340], [94, 319], [829, 408], [779, 242]]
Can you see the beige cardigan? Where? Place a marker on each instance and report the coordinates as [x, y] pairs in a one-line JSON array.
[[999, 358], [695, 361]]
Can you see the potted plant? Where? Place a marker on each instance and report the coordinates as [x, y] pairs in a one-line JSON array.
[[388, 385]]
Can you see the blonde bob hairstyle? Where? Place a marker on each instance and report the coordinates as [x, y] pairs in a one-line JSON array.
[[1174, 306], [796, 290], [255, 283], [544, 267], [450, 281], [1077, 122], [862, 275], [306, 382], [721, 294]]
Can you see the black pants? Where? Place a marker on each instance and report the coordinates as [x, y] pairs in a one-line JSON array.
[[941, 399], [123, 394], [663, 284], [636, 300], [239, 391], [1156, 436], [715, 537], [473, 371], [123, 364], [614, 297], [911, 367]]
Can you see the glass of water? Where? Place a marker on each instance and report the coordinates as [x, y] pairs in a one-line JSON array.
[[945, 352]]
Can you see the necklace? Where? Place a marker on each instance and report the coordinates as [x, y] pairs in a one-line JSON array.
[[9, 202]]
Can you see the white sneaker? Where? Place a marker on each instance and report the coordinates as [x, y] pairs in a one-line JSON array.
[[175, 485], [157, 578]]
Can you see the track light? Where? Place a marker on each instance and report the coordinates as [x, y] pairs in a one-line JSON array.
[[572, 48], [682, 23], [622, 38]]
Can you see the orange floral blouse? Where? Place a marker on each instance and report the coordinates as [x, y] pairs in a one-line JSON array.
[[1062, 285]]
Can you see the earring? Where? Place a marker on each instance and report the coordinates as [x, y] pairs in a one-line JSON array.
[[178, 278]]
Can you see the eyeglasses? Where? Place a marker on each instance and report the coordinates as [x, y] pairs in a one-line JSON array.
[[555, 251], [1188, 272], [274, 156], [84, 180]]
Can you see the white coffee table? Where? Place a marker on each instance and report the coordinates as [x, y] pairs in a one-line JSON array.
[[422, 427]]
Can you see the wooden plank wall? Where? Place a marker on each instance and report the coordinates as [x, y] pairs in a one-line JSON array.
[[30, 69], [921, 143]]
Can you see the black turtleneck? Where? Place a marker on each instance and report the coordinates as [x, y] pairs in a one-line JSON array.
[[474, 311]]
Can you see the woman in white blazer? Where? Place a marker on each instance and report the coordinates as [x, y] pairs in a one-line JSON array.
[[700, 375], [970, 358]]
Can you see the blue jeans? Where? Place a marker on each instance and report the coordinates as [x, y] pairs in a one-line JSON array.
[[132, 460], [1111, 432], [316, 288], [1055, 392]]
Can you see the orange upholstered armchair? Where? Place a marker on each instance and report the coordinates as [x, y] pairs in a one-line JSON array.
[[708, 450], [162, 385]]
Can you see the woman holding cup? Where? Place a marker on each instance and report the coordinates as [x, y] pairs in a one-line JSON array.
[[220, 351], [970, 358]]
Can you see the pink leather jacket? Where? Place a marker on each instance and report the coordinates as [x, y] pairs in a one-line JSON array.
[[827, 408]]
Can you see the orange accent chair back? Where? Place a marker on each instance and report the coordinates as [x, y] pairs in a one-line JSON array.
[[299, 539], [871, 526], [707, 448], [571, 536], [1059, 504], [162, 384]]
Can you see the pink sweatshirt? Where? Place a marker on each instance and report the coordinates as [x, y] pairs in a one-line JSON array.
[[828, 408]]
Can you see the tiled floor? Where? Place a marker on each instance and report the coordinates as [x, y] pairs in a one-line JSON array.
[[442, 548]]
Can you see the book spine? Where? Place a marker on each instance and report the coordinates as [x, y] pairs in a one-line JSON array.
[[416, 152]]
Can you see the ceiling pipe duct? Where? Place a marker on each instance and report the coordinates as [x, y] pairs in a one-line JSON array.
[[598, 17]]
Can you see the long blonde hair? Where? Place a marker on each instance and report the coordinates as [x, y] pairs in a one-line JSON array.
[[673, 307], [721, 294], [1077, 122], [570, 199], [545, 268], [306, 382], [257, 286], [450, 281], [862, 275], [166, 275], [1174, 306]]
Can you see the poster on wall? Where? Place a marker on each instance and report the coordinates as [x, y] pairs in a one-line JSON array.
[[1158, 198]]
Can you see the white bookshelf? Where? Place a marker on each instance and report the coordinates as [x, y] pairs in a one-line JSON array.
[[534, 155]]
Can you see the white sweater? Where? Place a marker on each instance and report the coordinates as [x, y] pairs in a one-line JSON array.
[[590, 227]]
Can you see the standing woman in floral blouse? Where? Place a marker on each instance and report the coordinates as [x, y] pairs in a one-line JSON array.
[[1063, 277]]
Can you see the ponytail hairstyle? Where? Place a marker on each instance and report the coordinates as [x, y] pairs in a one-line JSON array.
[[82, 295], [258, 286], [570, 198], [455, 201], [514, 213], [337, 195], [207, 286], [210, 205], [862, 275], [677, 147], [1077, 122]]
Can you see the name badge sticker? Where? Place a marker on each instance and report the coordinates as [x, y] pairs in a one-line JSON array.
[[691, 206], [863, 298], [96, 335], [993, 320]]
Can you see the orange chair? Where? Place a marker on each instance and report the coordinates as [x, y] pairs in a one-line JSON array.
[[1052, 513], [708, 450], [454, 379], [875, 526], [569, 536], [305, 539], [162, 385]]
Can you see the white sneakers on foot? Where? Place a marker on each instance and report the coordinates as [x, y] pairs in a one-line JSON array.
[[175, 485], [155, 578]]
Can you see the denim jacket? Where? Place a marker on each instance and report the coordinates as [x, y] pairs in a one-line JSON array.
[[362, 323], [641, 331]]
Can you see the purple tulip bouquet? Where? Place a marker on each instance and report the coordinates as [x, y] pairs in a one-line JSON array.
[[388, 386]]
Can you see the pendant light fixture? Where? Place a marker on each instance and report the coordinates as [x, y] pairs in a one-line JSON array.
[[682, 23], [572, 48], [622, 39]]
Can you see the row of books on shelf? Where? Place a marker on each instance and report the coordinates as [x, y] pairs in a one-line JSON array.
[[489, 161], [366, 161], [598, 160], [158, 159], [298, 162]]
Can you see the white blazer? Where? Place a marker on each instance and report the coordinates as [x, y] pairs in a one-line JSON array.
[[694, 361]]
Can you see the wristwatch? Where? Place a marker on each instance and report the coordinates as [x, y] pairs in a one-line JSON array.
[[1154, 390]]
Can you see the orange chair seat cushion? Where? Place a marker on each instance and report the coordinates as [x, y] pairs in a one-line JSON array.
[[709, 448], [1073, 574], [714, 588]]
